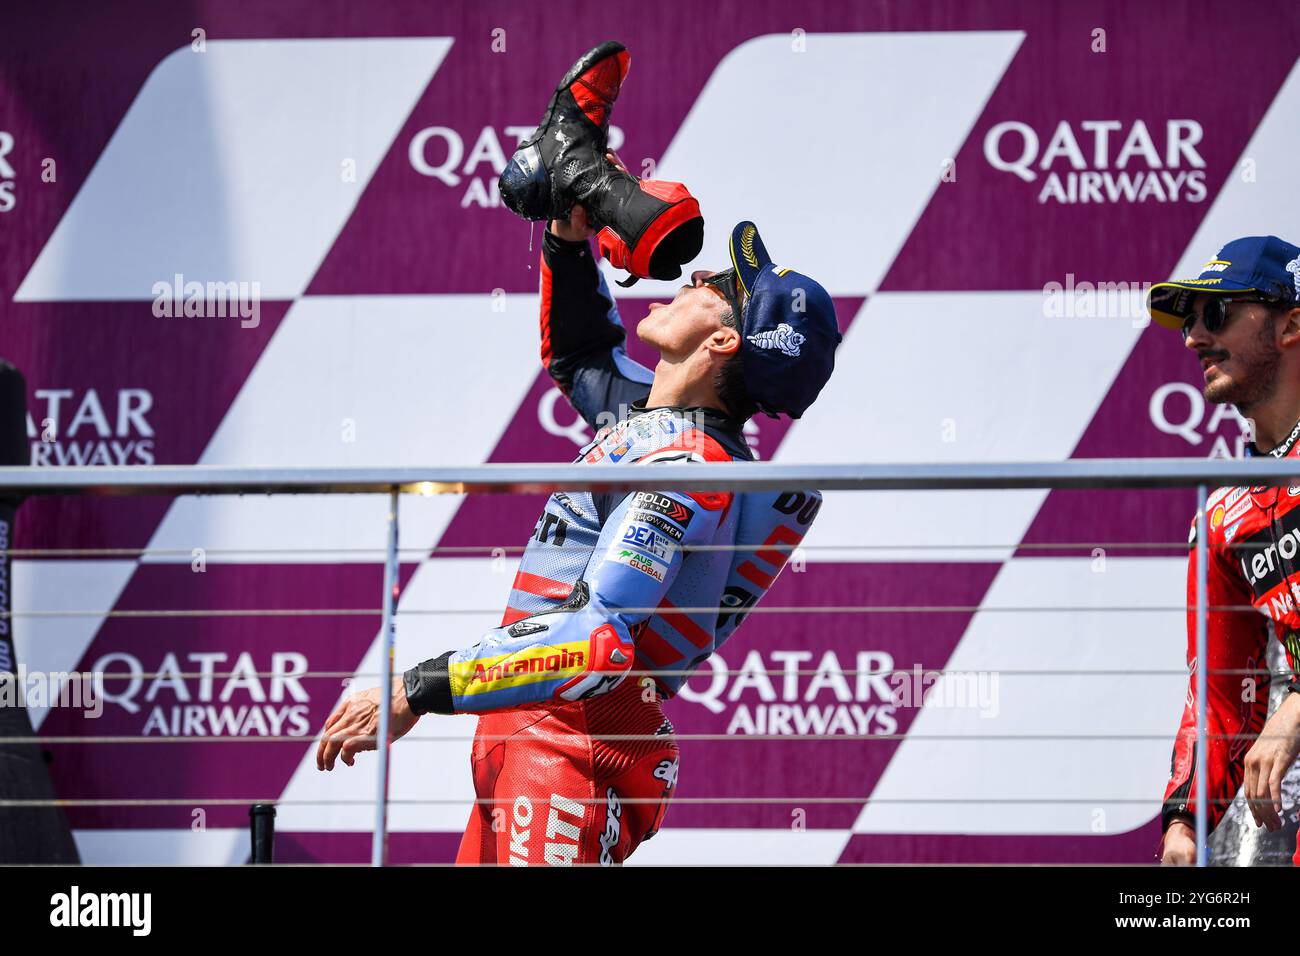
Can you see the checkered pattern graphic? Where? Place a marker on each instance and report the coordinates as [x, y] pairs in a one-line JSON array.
[[399, 329]]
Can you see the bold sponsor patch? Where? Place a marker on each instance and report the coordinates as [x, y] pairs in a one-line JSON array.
[[648, 540], [1237, 495], [655, 521], [1293, 491], [1231, 532], [1218, 495], [642, 562], [674, 510]]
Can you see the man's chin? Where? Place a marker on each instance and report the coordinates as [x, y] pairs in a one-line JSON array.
[[1222, 391]]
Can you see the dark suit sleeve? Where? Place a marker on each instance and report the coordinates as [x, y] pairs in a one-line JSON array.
[[582, 335]]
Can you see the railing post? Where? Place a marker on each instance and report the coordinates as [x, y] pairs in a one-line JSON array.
[[1202, 677], [379, 849]]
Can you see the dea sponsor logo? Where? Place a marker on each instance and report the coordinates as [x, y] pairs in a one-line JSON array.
[[208, 697], [68, 426], [439, 152], [1102, 161]]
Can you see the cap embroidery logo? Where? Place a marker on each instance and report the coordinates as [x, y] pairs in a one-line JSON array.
[[782, 337], [1293, 267], [747, 246]]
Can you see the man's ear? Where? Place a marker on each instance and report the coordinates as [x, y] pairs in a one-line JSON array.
[[1290, 337], [726, 341]]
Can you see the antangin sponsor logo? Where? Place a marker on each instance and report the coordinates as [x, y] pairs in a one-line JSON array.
[[541, 660]]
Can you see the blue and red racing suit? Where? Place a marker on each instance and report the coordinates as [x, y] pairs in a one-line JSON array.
[[1252, 587], [609, 584]]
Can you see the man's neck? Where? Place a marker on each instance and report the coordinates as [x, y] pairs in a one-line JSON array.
[[673, 386], [1275, 418]]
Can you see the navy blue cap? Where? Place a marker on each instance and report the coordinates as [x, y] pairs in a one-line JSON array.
[[1266, 265], [789, 333]]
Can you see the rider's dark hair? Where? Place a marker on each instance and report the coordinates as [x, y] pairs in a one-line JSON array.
[[730, 379]]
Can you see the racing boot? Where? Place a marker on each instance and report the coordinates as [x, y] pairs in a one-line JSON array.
[[649, 228]]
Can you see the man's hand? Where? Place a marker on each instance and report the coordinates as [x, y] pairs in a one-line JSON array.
[[354, 725], [1179, 848], [1268, 761], [578, 226]]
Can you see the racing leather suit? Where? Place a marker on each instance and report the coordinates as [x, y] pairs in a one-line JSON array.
[[1252, 586], [609, 585]]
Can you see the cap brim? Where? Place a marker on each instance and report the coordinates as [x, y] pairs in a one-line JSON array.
[[748, 254], [1163, 299]]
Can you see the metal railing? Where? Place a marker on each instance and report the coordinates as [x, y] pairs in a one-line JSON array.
[[1201, 474]]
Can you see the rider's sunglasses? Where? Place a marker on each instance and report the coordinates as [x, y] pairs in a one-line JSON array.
[[1215, 314], [727, 285]]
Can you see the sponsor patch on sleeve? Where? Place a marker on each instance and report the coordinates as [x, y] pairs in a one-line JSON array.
[[644, 563], [643, 538], [671, 509], [657, 522]]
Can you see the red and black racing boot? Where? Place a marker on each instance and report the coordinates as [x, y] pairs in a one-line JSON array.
[[649, 228]]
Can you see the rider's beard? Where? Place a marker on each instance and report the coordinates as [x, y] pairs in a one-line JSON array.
[[1254, 377]]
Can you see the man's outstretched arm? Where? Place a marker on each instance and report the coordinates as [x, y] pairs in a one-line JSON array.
[[588, 646], [585, 648]]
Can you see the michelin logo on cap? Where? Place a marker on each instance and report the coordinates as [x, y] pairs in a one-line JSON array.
[[782, 337]]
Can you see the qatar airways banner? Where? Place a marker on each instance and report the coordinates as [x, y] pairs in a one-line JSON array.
[[271, 235]]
